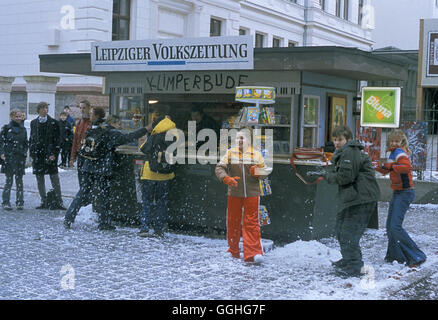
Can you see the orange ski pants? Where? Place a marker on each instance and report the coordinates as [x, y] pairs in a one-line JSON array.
[[250, 229]]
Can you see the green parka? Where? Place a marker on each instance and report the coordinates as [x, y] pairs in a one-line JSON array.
[[354, 173]]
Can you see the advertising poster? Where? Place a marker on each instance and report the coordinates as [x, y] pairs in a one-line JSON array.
[[371, 138], [432, 55], [380, 107], [416, 131]]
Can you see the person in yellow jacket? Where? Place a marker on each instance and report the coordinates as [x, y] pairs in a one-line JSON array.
[[155, 185]]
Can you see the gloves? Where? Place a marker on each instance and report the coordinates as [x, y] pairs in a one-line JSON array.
[[252, 171], [319, 173], [387, 166], [231, 181]]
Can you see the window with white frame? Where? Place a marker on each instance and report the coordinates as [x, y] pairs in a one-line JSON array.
[[292, 44], [310, 121], [215, 27], [276, 42], [338, 8], [242, 32], [346, 8], [259, 40], [322, 4], [360, 13], [121, 19]]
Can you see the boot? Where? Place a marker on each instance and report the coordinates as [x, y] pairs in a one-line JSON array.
[[43, 205]]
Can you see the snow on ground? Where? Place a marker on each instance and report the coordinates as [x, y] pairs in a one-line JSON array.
[[120, 265]]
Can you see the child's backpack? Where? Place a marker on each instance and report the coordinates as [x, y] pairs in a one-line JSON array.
[[93, 144]]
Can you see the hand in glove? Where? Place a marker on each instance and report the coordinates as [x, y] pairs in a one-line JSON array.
[[253, 170], [231, 181], [387, 166]]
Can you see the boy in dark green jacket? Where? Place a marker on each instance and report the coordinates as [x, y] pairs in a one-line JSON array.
[[357, 198]]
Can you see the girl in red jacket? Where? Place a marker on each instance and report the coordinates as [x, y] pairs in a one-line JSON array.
[[401, 247]]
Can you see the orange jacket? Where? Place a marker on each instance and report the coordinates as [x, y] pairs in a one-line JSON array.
[[400, 170]]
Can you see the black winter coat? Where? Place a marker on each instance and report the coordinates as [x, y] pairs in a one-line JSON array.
[[66, 132], [44, 142], [106, 161], [14, 145], [355, 176]]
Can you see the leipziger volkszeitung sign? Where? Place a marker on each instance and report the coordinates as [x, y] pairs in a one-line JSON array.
[[211, 53]]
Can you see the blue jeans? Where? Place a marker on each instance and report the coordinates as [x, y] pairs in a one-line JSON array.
[[400, 246], [93, 189], [150, 190]]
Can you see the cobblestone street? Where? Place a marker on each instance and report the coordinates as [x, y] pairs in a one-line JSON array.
[[39, 259]]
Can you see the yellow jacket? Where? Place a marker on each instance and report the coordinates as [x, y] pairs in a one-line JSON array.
[[146, 173]]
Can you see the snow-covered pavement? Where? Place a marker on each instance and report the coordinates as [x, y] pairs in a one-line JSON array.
[[39, 259]]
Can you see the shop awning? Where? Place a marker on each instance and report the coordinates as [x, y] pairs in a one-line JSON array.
[[344, 62]]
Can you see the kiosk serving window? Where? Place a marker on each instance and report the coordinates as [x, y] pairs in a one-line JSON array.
[[131, 110]]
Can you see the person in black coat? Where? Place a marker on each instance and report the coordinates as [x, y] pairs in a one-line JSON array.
[[13, 152], [98, 151], [66, 131], [44, 146]]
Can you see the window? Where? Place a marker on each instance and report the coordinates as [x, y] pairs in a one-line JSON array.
[[276, 42], [346, 6], [338, 8], [121, 19], [242, 32], [259, 40], [322, 4], [291, 44], [215, 27], [360, 15], [310, 122]]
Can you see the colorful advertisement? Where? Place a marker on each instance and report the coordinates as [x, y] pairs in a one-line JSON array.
[[371, 138], [416, 132], [380, 107], [261, 95]]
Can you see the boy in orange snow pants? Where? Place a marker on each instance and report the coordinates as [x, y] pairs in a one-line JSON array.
[[240, 169]]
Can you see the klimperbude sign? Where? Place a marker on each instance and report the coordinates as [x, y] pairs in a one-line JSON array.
[[211, 53], [380, 107]]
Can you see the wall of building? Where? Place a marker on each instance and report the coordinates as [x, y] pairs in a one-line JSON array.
[[31, 28]]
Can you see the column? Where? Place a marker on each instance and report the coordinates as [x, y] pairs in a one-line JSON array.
[[40, 88], [5, 99]]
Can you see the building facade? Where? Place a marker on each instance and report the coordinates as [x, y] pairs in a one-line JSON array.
[[28, 29]]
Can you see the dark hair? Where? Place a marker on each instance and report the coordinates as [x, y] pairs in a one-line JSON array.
[[197, 107], [162, 110], [99, 112], [63, 114], [42, 105], [67, 107], [86, 102], [342, 131]]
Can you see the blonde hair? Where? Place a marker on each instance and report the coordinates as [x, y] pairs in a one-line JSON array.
[[14, 112], [398, 134]]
